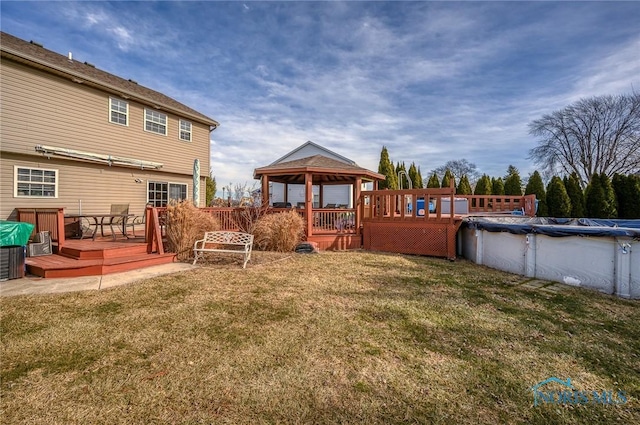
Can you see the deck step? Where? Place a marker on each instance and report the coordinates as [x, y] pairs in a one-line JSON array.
[[57, 266], [103, 252]]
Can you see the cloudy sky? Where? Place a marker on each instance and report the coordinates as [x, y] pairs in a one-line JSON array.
[[432, 81]]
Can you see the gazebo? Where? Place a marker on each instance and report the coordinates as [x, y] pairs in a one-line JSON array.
[[332, 227]]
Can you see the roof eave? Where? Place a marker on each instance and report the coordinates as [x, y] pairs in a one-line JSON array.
[[265, 171]]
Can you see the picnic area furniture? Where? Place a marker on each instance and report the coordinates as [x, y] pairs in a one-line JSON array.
[[224, 242], [117, 217]]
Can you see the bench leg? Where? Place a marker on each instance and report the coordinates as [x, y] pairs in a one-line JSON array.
[[247, 257]]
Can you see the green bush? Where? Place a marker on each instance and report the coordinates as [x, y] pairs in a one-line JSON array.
[[535, 186], [627, 190], [279, 232], [483, 187], [464, 187], [558, 202], [600, 200], [497, 186], [576, 195]]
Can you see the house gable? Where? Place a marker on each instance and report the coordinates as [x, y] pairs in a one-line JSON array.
[[310, 149]]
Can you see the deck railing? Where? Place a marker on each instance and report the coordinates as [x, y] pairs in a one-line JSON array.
[[331, 220], [501, 204], [439, 204], [413, 204]]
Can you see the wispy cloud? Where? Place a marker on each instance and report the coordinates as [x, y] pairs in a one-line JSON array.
[[431, 81]]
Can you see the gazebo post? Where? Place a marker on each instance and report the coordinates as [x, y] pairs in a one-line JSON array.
[[308, 203], [265, 191], [357, 187], [286, 193]]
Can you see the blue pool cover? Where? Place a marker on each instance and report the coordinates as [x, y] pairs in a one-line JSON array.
[[556, 226]]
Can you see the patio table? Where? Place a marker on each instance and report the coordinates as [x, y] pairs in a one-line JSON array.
[[99, 220]]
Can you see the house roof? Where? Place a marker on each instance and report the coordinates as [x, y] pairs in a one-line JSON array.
[[324, 170], [37, 56], [318, 147]]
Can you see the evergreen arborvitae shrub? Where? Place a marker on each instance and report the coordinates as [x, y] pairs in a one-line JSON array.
[[600, 200], [594, 198], [416, 180], [513, 183], [385, 167], [446, 180], [535, 186], [483, 187], [611, 207], [497, 186], [558, 202], [403, 180], [576, 195], [627, 190], [433, 182], [419, 184], [464, 187], [279, 232]]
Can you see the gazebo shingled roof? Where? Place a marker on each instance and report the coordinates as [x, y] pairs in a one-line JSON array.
[[325, 170]]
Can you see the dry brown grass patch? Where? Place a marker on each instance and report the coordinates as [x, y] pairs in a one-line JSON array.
[[349, 337]]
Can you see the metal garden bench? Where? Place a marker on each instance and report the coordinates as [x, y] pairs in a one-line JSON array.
[[224, 241]]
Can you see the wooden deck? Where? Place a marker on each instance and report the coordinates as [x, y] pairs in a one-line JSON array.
[[93, 258]]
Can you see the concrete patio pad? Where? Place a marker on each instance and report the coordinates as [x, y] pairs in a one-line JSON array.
[[37, 285]]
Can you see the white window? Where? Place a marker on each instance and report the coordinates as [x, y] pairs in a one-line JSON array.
[[160, 193], [185, 130], [35, 182], [155, 122], [118, 111]]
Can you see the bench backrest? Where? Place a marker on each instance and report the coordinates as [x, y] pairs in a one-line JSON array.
[[231, 238]]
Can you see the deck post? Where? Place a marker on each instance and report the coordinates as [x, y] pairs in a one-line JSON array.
[[60, 228], [452, 207]]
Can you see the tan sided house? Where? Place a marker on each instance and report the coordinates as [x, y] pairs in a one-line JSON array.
[[76, 137]]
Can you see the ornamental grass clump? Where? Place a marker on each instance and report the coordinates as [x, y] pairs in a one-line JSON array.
[[279, 232], [184, 225]]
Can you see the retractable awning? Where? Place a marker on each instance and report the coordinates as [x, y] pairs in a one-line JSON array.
[[96, 157]]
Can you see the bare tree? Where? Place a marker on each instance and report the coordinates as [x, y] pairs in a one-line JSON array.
[[598, 135], [459, 168], [242, 194]]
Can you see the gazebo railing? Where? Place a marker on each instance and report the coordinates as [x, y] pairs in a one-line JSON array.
[[325, 220], [331, 220]]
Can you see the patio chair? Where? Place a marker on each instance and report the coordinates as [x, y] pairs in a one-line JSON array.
[[138, 220], [86, 228], [118, 221], [330, 206]]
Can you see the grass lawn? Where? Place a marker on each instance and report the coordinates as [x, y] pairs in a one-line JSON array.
[[329, 338]]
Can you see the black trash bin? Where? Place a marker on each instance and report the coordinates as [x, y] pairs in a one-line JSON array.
[[14, 237], [11, 262]]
